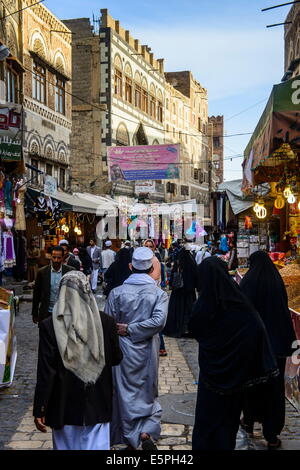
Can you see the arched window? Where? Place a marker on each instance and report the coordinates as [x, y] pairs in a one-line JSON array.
[[152, 102], [159, 106], [128, 84], [145, 96], [118, 82], [137, 91], [122, 137], [167, 104]]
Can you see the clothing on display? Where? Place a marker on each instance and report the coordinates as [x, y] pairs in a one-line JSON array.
[[8, 197], [19, 201], [9, 257]]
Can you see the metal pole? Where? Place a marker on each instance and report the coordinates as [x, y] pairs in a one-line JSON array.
[[281, 5], [278, 24]]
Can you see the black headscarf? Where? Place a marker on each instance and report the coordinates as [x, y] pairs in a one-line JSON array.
[[234, 349], [188, 266], [264, 286], [118, 271], [86, 260]]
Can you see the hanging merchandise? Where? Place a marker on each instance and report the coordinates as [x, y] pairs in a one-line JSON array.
[[224, 243], [40, 208], [151, 227], [248, 223], [20, 190], [2, 182], [200, 232], [192, 230], [56, 210], [9, 257], [8, 197]]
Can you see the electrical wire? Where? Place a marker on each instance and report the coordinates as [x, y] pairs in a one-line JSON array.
[[70, 147], [18, 11], [246, 109], [135, 122]]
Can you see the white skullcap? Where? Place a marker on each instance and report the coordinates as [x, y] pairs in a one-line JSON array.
[[63, 241], [142, 258], [108, 243]]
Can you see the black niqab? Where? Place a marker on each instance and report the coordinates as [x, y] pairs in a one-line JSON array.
[[264, 287], [119, 270], [188, 266], [234, 349]]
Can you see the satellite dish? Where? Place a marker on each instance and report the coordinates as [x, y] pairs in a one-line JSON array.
[[4, 52]]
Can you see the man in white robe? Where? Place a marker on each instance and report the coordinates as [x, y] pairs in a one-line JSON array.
[[140, 308]]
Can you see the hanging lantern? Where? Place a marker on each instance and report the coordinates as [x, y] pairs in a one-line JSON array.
[[279, 202], [256, 207], [291, 199], [79, 232], [287, 192], [66, 229], [63, 227], [261, 213], [76, 229]]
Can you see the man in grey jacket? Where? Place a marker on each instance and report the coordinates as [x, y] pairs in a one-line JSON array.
[[95, 253]]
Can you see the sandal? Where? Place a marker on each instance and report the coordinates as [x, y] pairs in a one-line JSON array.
[[163, 353], [274, 446]]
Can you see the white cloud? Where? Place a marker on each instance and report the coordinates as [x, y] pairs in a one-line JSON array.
[[227, 63]]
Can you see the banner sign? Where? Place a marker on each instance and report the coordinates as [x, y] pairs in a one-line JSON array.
[[10, 134], [50, 186], [145, 187], [143, 162]]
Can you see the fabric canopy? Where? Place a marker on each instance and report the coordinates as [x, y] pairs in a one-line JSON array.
[[82, 202], [276, 138], [239, 203]]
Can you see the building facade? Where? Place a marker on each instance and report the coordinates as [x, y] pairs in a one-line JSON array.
[[292, 43], [134, 102], [47, 91], [218, 146]]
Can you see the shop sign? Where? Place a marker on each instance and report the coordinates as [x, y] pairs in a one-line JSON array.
[[10, 134], [145, 187]]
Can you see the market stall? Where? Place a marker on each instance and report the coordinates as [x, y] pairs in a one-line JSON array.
[[8, 342]]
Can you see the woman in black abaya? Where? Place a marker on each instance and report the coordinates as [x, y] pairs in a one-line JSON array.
[[181, 299], [264, 287], [118, 271], [234, 353]]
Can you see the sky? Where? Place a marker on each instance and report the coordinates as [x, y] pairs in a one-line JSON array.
[[225, 43]]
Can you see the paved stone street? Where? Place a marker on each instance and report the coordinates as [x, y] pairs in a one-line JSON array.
[[177, 390]]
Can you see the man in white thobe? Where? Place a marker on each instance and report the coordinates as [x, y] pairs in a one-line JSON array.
[[108, 256], [95, 253], [140, 308]]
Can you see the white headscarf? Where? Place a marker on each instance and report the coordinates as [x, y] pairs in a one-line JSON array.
[[78, 328]]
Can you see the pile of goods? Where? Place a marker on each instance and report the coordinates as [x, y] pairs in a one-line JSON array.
[[291, 278]]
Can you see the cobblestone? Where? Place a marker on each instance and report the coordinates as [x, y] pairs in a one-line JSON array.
[[178, 373]]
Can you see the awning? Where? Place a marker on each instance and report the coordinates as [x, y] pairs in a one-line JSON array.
[[82, 202], [276, 139], [238, 201]]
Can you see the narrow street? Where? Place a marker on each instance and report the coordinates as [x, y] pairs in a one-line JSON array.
[[177, 391]]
